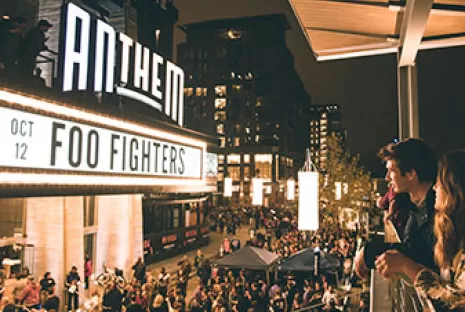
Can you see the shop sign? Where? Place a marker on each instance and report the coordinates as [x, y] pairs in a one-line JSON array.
[[34, 141], [94, 57]]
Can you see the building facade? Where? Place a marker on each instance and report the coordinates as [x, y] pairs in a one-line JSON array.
[[242, 87], [325, 120], [100, 172]]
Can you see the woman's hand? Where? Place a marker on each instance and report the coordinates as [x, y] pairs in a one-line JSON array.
[[391, 262]]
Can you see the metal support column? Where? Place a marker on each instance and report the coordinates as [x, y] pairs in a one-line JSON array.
[[407, 97]]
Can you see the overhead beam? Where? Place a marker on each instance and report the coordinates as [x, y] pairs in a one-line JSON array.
[[437, 9], [350, 32], [412, 30]]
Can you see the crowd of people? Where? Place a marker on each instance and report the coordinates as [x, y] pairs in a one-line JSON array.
[[429, 253]]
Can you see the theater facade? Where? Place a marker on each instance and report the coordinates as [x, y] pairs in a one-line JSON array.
[[100, 165]]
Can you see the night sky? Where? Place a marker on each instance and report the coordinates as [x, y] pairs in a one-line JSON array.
[[366, 88]]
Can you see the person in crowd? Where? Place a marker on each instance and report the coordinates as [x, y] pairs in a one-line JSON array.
[[198, 260], [46, 284], [160, 305], [71, 284], [2, 286], [52, 302], [139, 269], [163, 282], [30, 297], [411, 168], [92, 304], [235, 244], [31, 46], [87, 271], [447, 289], [111, 301]]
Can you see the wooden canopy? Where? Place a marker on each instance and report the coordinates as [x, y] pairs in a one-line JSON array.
[[339, 29]]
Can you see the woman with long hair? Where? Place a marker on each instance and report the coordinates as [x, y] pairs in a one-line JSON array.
[[447, 289]]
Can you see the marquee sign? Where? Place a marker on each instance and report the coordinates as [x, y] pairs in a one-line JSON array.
[[95, 57], [102, 148]]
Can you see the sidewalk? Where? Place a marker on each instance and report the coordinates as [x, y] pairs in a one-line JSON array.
[[208, 251]]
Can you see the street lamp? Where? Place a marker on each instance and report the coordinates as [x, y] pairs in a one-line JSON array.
[[290, 189], [227, 190], [257, 190], [309, 218]]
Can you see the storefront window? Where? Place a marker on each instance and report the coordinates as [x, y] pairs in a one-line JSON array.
[[234, 159], [11, 216], [90, 211], [234, 173], [263, 164]]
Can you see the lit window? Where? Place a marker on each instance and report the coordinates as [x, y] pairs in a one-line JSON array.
[[238, 128], [221, 159], [237, 141], [247, 173], [234, 159], [221, 116], [259, 102], [257, 138], [258, 128], [277, 126], [220, 128], [204, 91], [247, 130], [246, 158], [220, 90], [263, 163], [188, 91], [198, 91], [236, 88], [220, 103], [222, 142]]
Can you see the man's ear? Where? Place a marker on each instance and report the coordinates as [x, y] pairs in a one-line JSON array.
[[411, 175]]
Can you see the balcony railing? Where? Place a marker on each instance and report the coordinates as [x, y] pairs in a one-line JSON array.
[[396, 295]]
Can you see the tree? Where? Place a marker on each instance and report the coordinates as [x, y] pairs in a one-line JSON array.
[[343, 181]]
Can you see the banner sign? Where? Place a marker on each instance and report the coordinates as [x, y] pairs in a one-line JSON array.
[[94, 57], [39, 142]]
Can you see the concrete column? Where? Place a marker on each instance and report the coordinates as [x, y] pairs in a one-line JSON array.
[[407, 95], [119, 237], [45, 230]]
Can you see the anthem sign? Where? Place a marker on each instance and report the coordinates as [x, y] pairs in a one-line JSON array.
[[97, 58]]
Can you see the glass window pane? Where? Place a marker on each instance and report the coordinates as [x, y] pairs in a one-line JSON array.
[[11, 216], [89, 211]]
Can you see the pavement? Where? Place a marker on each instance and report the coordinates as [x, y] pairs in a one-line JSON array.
[[209, 251]]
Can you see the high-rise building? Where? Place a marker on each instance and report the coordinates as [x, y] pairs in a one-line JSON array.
[[325, 120], [241, 86]]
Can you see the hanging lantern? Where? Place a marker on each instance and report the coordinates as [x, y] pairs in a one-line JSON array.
[[257, 191], [338, 190], [227, 191], [309, 218], [290, 189]]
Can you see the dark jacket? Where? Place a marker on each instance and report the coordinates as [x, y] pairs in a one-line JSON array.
[[419, 239]]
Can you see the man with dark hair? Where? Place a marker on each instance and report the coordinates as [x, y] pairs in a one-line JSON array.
[[411, 168]]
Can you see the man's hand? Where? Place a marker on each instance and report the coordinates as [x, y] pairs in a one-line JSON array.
[[360, 267]]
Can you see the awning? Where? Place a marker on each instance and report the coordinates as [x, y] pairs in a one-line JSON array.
[[339, 29]]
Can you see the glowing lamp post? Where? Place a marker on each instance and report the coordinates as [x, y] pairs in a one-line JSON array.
[[309, 218], [290, 189], [257, 191], [227, 191]]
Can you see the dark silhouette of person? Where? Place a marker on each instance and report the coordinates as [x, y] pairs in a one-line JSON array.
[[31, 46]]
